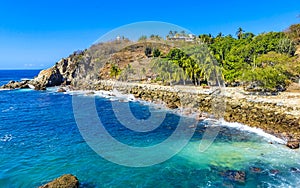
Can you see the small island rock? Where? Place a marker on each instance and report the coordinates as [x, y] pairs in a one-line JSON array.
[[65, 181]]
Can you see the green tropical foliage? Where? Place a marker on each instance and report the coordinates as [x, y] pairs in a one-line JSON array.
[[239, 33], [156, 52], [266, 60], [193, 63], [114, 70], [268, 78], [253, 57]]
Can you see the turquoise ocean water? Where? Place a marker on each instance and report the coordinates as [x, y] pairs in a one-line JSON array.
[[40, 140]]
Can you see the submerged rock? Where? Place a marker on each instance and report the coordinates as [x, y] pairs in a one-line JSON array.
[[65, 181], [255, 169], [235, 175], [295, 170], [274, 171], [293, 144]]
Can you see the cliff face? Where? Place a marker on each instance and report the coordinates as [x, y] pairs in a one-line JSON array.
[[62, 73]]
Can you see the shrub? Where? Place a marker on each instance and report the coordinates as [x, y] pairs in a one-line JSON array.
[[267, 78], [148, 51], [156, 52]]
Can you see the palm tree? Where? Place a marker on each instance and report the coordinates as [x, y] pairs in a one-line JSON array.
[[192, 69], [220, 34], [114, 70], [239, 33]]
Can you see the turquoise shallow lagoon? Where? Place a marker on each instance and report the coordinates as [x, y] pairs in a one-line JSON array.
[[40, 140]]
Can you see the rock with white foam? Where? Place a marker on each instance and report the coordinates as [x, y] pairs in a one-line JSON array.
[[293, 144]]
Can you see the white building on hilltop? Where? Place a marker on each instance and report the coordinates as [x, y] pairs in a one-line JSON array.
[[179, 37]]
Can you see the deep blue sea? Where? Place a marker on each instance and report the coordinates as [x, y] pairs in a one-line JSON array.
[[40, 140]]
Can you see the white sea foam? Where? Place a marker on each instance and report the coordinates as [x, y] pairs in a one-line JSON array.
[[118, 96], [31, 86], [111, 95], [6, 138], [9, 109], [258, 131], [52, 89], [26, 79]]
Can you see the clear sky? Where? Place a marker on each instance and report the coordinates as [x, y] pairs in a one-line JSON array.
[[36, 34]]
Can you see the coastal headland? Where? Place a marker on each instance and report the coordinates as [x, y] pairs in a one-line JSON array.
[[133, 68]]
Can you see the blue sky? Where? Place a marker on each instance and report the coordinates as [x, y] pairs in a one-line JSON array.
[[36, 34]]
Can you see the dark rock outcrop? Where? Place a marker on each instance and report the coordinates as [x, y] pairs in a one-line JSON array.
[[295, 170], [65, 181], [16, 85], [235, 175], [255, 169], [293, 144], [274, 171], [61, 90]]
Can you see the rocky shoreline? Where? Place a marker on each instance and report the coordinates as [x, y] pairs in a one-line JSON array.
[[232, 104], [278, 115]]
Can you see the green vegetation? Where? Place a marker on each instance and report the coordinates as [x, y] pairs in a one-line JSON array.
[[115, 70], [263, 62], [266, 61], [156, 52], [193, 63], [148, 51]]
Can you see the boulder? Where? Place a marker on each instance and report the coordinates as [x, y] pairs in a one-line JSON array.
[[65, 181], [61, 90], [293, 144], [49, 77], [39, 86]]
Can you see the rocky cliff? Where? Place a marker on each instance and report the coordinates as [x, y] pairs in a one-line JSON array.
[[62, 73]]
